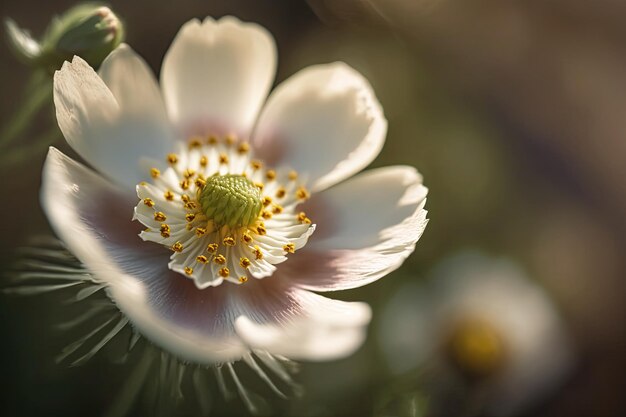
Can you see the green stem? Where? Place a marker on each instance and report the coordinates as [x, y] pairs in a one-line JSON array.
[[36, 95], [19, 154]]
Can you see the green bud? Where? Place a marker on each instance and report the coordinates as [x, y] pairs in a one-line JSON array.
[[90, 31], [231, 200]]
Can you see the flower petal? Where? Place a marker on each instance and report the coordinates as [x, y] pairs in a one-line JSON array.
[[325, 330], [111, 135], [359, 239], [324, 121], [217, 74]]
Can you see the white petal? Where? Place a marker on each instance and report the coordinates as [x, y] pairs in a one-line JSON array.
[[89, 215], [111, 135], [324, 121], [217, 74], [366, 227], [326, 329]]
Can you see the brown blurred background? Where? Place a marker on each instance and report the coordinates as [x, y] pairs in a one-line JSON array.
[[514, 112]]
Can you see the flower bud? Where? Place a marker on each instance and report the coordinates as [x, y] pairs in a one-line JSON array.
[[90, 31]]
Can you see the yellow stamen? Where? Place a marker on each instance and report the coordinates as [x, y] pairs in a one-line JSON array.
[[224, 272], [302, 193], [229, 241], [244, 262], [220, 259], [185, 198], [246, 237], [200, 183], [257, 252], [211, 247], [190, 216], [202, 259], [270, 175], [293, 175], [200, 231], [243, 279], [204, 161], [212, 140], [261, 229], [168, 195], [172, 158], [280, 193], [184, 184], [189, 173], [289, 248], [267, 201], [148, 202], [277, 209], [256, 165], [188, 270], [177, 247], [259, 185], [244, 147], [266, 215], [165, 230], [195, 143], [154, 172], [191, 205], [223, 158], [160, 216], [230, 139]]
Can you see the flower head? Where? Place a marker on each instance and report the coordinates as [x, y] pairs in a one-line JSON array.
[[228, 188]]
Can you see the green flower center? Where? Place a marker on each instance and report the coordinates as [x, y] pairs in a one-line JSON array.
[[231, 200]]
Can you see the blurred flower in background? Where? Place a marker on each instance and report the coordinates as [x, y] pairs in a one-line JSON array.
[[480, 326]]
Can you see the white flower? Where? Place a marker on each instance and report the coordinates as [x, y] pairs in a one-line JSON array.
[[481, 319], [218, 177]]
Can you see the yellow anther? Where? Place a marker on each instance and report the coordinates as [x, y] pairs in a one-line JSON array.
[[177, 247], [259, 185], [188, 270], [189, 226], [270, 175], [143, 183], [172, 158], [267, 201], [154, 172], [289, 248], [266, 214], [307, 221], [190, 216], [302, 193], [244, 262], [160, 216], [243, 279], [200, 231], [220, 259], [277, 209], [293, 175], [256, 164], [230, 139], [246, 237], [280, 193], [204, 161], [185, 198], [257, 252], [184, 184], [202, 259], [211, 247], [148, 202], [302, 218], [212, 140], [244, 147], [189, 173], [261, 229], [165, 230], [195, 143], [169, 196], [229, 241], [224, 272], [223, 158], [200, 183], [191, 205]]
